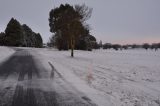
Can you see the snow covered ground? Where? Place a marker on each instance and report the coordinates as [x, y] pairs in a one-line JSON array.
[[5, 53], [111, 78], [107, 77]]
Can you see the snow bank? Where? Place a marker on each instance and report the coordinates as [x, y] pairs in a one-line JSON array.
[[108, 77], [5, 53]]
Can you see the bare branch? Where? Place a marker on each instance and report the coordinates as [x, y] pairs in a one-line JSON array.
[[84, 11]]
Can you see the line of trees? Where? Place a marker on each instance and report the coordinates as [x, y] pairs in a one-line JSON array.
[[146, 46], [20, 35], [69, 28], [70, 31]]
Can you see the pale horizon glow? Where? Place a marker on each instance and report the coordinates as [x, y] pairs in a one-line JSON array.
[[112, 21]]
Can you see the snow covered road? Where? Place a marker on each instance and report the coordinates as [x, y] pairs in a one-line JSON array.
[[103, 77], [25, 82]]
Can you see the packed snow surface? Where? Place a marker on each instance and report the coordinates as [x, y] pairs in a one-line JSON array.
[[111, 78], [5, 53], [107, 77]]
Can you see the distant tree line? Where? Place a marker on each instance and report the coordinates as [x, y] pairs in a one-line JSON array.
[[20, 35], [146, 46]]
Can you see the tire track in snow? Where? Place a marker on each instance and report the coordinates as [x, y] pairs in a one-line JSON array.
[[29, 89]]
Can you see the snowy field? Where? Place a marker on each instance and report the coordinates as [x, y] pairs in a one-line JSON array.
[[107, 77], [116, 78]]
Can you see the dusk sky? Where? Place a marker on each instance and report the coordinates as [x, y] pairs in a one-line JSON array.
[[112, 21]]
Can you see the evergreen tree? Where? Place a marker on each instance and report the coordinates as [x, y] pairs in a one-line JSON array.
[[38, 40], [14, 33], [2, 38], [31, 39], [17, 35], [28, 36]]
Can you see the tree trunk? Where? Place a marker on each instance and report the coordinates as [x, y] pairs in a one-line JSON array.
[[72, 47], [72, 54]]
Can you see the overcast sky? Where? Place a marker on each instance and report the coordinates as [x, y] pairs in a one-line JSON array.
[[112, 21]]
